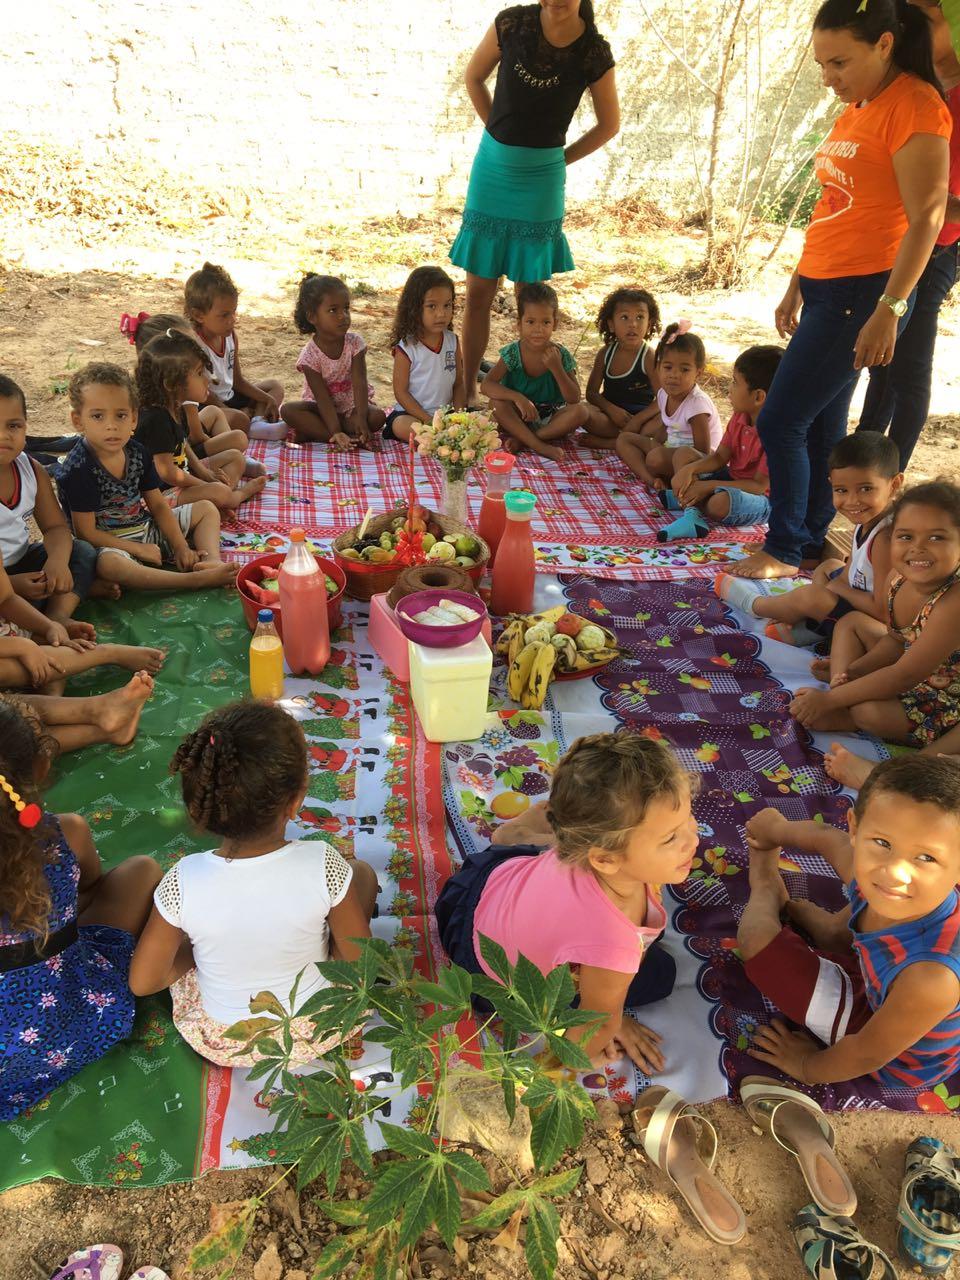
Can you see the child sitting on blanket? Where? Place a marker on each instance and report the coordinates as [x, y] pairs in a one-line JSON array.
[[337, 399], [900, 679], [67, 928], [171, 386], [682, 414], [620, 812], [533, 386], [427, 359], [259, 910], [880, 987], [210, 305], [866, 479], [623, 380], [111, 492]]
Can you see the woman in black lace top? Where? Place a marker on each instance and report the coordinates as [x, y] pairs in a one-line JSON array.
[[546, 55]]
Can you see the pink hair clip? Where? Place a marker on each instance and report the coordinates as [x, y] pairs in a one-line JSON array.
[[683, 326], [130, 324]]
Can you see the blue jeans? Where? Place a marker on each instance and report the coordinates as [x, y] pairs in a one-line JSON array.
[[745, 507], [898, 396], [805, 413]]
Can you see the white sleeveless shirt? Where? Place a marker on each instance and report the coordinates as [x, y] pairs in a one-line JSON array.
[[860, 568], [221, 379], [14, 531], [432, 373]]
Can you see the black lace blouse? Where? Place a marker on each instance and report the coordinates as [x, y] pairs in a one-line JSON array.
[[539, 87]]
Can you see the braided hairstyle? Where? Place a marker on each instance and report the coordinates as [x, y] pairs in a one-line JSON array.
[[242, 766], [313, 290], [24, 851], [603, 787]]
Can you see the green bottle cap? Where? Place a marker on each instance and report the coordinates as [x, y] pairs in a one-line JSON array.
[[519, 502]]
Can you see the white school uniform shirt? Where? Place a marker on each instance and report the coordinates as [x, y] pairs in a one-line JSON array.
[[254, 923], [860, 568], [678, 427], [14, 532], [221, 379], [432, 373]]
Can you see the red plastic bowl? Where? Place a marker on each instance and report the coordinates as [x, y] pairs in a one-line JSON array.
[[252, 607], [439, 637]]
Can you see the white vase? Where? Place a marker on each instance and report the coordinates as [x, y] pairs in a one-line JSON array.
[[454, 499]]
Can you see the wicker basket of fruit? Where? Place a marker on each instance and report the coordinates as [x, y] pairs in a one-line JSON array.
[[371, 563]]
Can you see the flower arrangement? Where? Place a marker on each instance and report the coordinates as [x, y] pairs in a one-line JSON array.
[[458, 439]]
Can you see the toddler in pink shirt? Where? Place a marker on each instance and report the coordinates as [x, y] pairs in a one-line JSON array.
[[621, 823]]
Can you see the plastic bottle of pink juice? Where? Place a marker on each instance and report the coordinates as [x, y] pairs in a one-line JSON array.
[[303, 607]]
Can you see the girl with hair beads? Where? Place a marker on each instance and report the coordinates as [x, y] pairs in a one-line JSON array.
[[259, 910], [901, 681], [682, 414], [171, 385], [620, 814], [67, 928], [427, 362], [337, 405], [623, 380], [533, 386]]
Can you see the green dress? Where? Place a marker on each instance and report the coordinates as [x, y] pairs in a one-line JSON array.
[[543, 389]]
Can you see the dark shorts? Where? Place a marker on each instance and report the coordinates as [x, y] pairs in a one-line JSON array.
[[237, 401], [83, 566], [824, 627], [392, 416], [823, 993], [457, 905], [199, 448]]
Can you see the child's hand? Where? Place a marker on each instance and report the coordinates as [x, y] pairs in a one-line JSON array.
[[31, 586], [767, 829], [639, 1043], [81, 631], [696, 491], [186, 558], [784, 1049], [810, 705], [59, 578], [40, 667], [552, 359], [341, 441], [147, 552], [619, 417], [526, 408], [267, 408], [56, 634]]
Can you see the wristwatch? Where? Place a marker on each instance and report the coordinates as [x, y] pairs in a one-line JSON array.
[[897, 305]]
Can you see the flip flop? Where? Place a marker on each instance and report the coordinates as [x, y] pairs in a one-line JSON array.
[[769, 1105], [99, 1262], [929, 1209], [832, 1248], [683, 1143], [149, 1273]]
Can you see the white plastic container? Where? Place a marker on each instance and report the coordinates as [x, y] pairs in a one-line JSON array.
[[449, 689]]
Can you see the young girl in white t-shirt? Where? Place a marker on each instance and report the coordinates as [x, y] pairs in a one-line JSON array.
[[427, 361], [259, 910], [682, 413]]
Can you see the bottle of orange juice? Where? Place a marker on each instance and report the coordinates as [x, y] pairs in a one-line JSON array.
[[266, 659]]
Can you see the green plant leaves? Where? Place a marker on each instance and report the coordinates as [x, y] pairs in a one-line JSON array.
[[543, 1221], [557, 1110]]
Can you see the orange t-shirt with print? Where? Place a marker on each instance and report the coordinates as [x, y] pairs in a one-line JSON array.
[[859, 220]]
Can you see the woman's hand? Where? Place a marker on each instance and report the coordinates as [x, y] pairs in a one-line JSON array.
[[787, 315], [877, 339], [639, 1043]]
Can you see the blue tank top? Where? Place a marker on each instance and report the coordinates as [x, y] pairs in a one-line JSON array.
[[882, 956], [631, 390]]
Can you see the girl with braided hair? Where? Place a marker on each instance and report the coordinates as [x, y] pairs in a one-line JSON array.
[[261, 910], [67, 927], [621, 822]]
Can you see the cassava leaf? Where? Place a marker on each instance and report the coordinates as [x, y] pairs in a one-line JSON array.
[[251, 1029], [347, 1213], [267, 1002], [336, 1254], [543, 1228], [406, 1142], [495, 958]]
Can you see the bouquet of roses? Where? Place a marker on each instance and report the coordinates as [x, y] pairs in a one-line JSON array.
[[457, 439]]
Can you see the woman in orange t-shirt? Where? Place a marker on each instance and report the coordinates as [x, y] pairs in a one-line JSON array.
[[883, 169]]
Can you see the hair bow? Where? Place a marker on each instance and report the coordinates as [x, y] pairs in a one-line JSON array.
[[683, 326], [130, 324]]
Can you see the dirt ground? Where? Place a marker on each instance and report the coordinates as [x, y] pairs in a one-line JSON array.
[[64, 281]]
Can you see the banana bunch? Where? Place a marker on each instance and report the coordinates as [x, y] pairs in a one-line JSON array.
[[529, 674]]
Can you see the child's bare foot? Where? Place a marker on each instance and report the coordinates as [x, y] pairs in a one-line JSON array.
[[820, 668], [550, 451], [253, 468], [513, 446], [118, 713], [211, 573], [250, 489], [103, 590], [846, 767], [827, 930], [133, 657]]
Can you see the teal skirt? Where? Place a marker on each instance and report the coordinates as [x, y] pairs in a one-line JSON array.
[[513, 218]]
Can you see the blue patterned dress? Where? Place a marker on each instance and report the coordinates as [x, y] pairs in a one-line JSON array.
[[59, 1014]]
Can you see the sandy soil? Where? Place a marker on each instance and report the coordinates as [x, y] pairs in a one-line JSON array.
[[63, 285]]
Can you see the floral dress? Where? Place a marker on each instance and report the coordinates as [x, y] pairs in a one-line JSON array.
[[60, 1014], [933, 706]]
